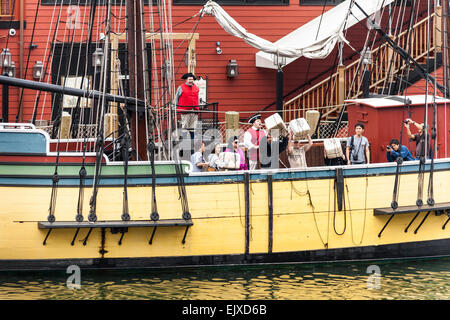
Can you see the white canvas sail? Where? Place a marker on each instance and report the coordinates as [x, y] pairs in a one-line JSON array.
[[314, 40]]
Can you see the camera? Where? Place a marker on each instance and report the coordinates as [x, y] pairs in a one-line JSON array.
[[388, 147], [355, 157], [406, 121]]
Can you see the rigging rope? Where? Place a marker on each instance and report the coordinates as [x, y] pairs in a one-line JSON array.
[[125, 144], [365, 211], [28, 60], [50, 56], [100, 145], [76, 112], [430, 198]]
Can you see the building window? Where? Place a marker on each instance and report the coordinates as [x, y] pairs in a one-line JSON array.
[[67, 69], [84, 83], [336, 2], [88, 2], [9, 14], [234, 2], [6, 8], [320, 2]]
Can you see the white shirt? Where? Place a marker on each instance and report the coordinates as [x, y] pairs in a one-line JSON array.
[[248, 138], [297, 157], [197, 158], [214, 161]]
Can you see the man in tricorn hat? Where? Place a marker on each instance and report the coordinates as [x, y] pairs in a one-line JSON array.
[[187, 101], [252, 138]]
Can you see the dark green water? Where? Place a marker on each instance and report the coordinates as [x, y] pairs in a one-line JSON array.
[[419, 279]]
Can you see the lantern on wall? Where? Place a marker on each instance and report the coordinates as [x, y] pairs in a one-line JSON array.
[[38, 69], [232, 69], [97, 58], [12, 70], [6, 58]]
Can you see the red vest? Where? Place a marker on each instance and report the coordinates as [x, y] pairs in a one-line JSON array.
[[188, 98], [256, 138]]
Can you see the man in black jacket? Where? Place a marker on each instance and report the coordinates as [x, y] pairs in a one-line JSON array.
[[267, 159]]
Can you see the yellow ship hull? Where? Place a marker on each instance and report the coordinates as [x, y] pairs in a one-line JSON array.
[[266, 219]]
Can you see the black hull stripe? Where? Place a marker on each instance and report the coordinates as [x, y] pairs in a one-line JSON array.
[[409, 250]]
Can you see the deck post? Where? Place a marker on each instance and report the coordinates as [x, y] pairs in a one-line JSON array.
[[341, 84], [231, 125], [5, 101], [64, 129], [438, 29]]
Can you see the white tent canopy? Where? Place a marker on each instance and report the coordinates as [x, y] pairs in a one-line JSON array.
[[317, 38], [314, 40]]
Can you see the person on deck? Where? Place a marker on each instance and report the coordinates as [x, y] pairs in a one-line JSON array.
[[265, 150], [213, 159], [419, 138], [238, 150], [357, 150], [252, 139], [187, 101], [395, 150], [198, 161], [296, 153]]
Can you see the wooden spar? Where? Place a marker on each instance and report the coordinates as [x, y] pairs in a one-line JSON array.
[[21, 63], [94, 94], [136, 75]]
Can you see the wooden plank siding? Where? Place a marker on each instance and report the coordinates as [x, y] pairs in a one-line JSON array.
[[252, 90]]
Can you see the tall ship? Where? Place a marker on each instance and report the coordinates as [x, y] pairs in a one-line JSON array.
[[95, 165]]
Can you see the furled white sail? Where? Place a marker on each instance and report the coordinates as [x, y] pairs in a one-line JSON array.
[[315, 40]]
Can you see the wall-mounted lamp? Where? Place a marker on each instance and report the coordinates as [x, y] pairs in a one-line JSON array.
[[12, 70], [8, 65], [6, 58], [366, 56], [97, 58], [278, 60], [232, 69], [218, 49], [38, 69]]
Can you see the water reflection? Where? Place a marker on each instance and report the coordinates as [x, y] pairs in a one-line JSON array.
[[423, 279]]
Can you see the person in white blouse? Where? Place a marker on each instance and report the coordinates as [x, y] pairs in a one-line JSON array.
[[213, 159]]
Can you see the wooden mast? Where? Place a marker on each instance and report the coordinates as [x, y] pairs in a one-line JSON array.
[[136, 75], [444, 37]]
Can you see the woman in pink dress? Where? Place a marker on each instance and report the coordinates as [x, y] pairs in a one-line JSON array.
[[239, 151]]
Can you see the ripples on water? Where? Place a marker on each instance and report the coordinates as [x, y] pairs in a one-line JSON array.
[[423, 279]]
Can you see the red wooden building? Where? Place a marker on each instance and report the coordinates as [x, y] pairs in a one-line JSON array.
[[252, 90], [383, 120]]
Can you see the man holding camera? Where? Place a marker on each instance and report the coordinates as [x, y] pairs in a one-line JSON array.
[[395, 150], [419, 138], [357, 150]]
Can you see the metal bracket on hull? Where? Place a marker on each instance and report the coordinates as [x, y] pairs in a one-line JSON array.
[[439, 208], [182, 241], [423, 220], [122, 232], [410, 223], [384, 227], [116, 226], [448, 215], [74, 237]]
